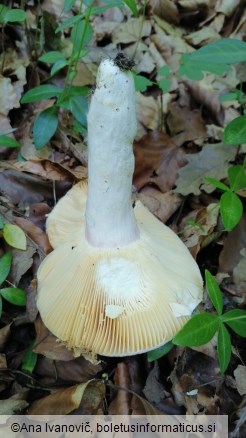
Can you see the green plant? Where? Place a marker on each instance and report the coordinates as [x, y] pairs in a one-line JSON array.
[[214, 58], [8, 142], [13, 235], [201, 328], [13, 295], [231, 207], [235, 131], [142, 83], [157, 353], [29, 359], [71, 98]]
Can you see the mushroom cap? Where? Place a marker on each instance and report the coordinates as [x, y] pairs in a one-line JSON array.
[[115, 301]]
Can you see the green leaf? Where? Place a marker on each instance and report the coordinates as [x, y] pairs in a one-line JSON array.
[[236, 319], [164, 71], [132, 5], [237, 177], [68, 4], [159, 352], [224, 347], [3, 11], [101, 9], [141, 83], [76, 55], [79, 128], [59, 65], [199, 330], [52, 57], [29, 360], [81, 34], [8, 142], [45, 126], [164, 85], [219, 185], [1, 223], [229, 96], [235, 131], [224, 51], [79, 108], [14, 295], [41, 92], [68, 23], [214, 292], [231, 209], [194, 69], [191, 72], [14, 15], [5, 265], [14, 236], [74, 90]]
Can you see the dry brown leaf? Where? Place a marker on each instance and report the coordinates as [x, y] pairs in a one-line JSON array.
[[207, 95], [227, 7], [11, 89], [195, 234], [48, 345], [93, 398], [11, 406], [84, 75], [22, 188], [166, 9], [146, 63], [35, 233], [4, 335], [21, 262], [195, 381], [78, 370], [157, 161], [129, 31], [239, 31], [44, 168], [53, 7], [239, 273], [236, 239], [162, 205], [127, 401], [64, 401], [3, 361], [185, 124], [154, 390], [192, 12], [212, 162], [147, 112], [170, 43], [162, 43], [37, 214], [8, 97], [122, 402], [31, 306], [203, 36], [240, 376]]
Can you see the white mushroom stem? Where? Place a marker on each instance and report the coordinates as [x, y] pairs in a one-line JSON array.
[[110, 220]]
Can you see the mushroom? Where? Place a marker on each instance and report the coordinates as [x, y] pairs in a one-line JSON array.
[[119, 282]]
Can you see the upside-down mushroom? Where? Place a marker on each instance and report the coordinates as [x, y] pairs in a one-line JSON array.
[[118, 282]]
